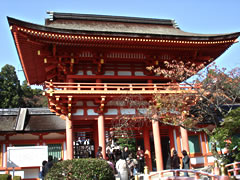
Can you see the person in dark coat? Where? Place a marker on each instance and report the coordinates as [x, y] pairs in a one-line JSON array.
[[109, 155], [125, 153], [48, 165], [140, 159], [99, 153], [185, 162], [175, 161], [42, 173]]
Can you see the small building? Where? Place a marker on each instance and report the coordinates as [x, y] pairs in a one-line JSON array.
[[22, 127], [85, 61]]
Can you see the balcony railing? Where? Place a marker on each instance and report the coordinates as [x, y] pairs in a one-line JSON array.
[[117, 88]]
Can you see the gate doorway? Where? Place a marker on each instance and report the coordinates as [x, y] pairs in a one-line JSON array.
[[165, 145], [83, 145], [165, 141]]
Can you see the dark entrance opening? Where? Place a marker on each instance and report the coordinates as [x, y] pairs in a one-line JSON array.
[[83, 145], [165, 144], [165, 141]]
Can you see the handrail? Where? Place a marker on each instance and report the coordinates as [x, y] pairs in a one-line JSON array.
[[118, 87], [235, 168], [18, 168], [177, 173]]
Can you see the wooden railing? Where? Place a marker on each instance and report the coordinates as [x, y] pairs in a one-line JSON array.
[[117, 88], [194, 174], [234, 169]]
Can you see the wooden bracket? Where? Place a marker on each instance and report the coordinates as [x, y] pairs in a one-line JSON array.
[[71, 65], [102, 104]]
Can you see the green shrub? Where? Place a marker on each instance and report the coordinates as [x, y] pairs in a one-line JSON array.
[[16, 177], [84, 169], [5, 177]]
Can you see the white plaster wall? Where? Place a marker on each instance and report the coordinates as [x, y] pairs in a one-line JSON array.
[[54, 136], [142, 110], [111, 112], [23, 137], [27, 173], [91, 112], [89, 73], [80, 72], [128, 111], [210, 159], [80, 112], [31, 173], [197, 160], [110, 73], [124, 73], [139, 73]]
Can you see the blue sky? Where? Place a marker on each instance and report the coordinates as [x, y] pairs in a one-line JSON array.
[[197, 16]]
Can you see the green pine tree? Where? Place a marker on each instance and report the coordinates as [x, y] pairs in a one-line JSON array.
[[10, 89]]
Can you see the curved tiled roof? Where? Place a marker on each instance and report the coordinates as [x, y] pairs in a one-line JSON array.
[[108, 33], [35, 120], [98, 25]]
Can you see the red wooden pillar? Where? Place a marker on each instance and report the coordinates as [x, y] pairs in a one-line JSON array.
[[40, 139], [157, 145], [98, 80], [5, 158], [69, 138], [184, 135], [95, 137], [204, 150], [170, 130], [179, 146], [5, 152], [101, 134], [69, 132], [98, 83], [147, 147]]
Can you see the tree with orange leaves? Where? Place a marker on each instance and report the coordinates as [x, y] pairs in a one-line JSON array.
[[217, 91]]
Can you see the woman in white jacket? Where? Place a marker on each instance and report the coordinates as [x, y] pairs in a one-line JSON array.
[[122, 169]]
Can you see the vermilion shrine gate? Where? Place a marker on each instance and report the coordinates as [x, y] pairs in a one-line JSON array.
[[85, 61]]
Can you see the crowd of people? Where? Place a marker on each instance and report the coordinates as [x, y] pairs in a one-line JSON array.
[[125, 163]]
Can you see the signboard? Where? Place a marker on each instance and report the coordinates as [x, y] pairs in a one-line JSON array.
[[27, 156]]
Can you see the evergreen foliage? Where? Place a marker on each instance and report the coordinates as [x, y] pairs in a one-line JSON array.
[[33, 97], [227, 136], [5, 177], [10, 89], [84, 169], [17, 178], [13, 95], [129, 142]]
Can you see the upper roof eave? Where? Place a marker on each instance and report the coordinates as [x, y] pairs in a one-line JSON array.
[[181, 34]]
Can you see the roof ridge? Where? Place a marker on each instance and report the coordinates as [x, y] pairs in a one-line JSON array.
[[111, 18]]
